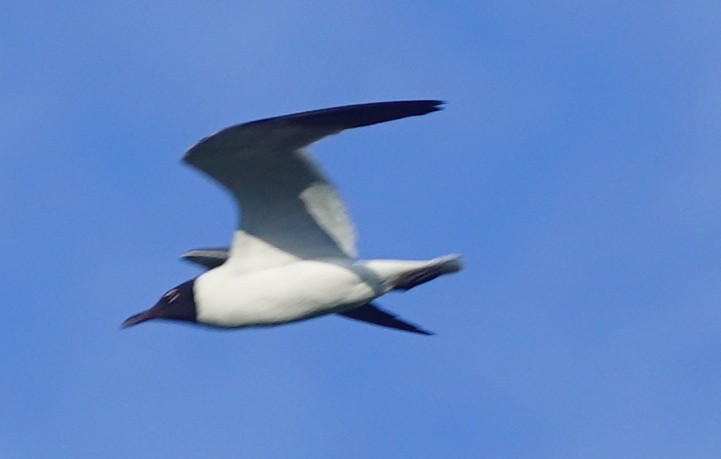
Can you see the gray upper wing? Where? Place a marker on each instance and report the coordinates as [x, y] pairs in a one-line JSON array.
[[289, 209]]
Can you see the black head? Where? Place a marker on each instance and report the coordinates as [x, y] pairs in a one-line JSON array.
[[177, 304]]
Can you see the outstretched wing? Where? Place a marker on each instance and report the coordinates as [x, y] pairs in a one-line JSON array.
[[289, 210], [373, 314]]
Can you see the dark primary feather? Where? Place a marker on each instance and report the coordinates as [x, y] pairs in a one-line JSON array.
[[359, 115], [375, 315], [318, 124]]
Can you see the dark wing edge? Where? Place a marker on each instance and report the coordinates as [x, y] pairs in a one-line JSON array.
[[373, 314], [319, 124], [357, 115]]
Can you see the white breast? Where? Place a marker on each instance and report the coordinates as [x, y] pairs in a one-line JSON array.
[[229, 297]]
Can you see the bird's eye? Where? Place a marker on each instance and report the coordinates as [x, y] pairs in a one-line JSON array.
[[172, 295]]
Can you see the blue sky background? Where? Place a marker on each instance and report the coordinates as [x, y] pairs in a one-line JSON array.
[[576, 167]]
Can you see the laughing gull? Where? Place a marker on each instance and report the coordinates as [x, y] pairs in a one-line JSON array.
[[293, 255]]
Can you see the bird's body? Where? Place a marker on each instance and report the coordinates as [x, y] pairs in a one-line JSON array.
[[293, 255], [297, 291]]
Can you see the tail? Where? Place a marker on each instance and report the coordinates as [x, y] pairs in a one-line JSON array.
[[451, 263], [428, 271]]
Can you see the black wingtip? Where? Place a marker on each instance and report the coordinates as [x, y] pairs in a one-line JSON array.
[[322, 122], [353, 116], [418, 331], [373, 314], [359, 115]]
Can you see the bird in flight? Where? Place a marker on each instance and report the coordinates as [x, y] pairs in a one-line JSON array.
[[293, 255]]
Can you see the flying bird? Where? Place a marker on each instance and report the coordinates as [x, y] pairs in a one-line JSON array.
[[293, 255]]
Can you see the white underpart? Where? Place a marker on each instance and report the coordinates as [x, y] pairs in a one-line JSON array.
[[229, 296]]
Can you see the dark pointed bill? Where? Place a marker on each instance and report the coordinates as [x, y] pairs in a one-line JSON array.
[[138, 318]]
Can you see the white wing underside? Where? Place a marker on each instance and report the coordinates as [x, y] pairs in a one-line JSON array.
[[288, 209]]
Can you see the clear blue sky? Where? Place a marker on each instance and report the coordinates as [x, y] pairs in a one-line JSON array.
[[577, 167]]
